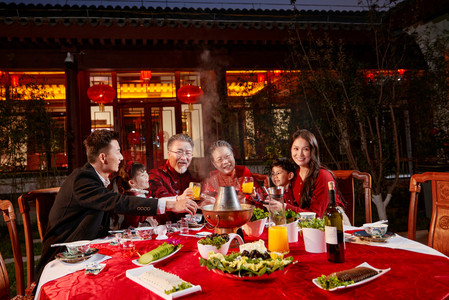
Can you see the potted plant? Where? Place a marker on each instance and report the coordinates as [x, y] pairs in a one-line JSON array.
[[256, 224], [313, 234]]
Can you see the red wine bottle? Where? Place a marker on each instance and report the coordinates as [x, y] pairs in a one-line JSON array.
[[333, 221]]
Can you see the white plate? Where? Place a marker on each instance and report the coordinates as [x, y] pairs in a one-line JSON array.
[[136, 262], [134, 274], [365, 264]]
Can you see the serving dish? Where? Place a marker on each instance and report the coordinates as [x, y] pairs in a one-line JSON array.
[[365, 236], [195, 226], [365, 264], [78, 247], [271, 276], [71, 259], [134, 274], [224, 248], [136, 261]]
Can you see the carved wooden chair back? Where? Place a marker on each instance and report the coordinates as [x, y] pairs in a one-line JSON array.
[[10, 220], [262, 179], [345, 181], [439, 222], [43, 200]]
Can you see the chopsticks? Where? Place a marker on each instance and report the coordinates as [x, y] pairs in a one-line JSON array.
[[376, 223], [196, 235], [61, 244]]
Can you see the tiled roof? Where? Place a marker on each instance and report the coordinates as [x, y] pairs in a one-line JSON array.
[[135, 16]]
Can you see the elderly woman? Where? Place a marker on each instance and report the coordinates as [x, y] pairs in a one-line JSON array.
[[227, 173]]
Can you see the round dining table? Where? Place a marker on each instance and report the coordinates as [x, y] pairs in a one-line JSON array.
[[413, 275]]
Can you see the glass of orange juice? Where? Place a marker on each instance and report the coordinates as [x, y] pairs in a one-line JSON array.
[[278, 239], [196, 189], [247, 185], [277, 232]]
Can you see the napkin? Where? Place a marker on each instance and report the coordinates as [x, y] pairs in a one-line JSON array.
[[57, 269], [395, 242]]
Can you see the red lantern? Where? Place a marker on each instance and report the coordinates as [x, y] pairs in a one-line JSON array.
[[14, 80], [145, 75], [190, 94], [101, 94], [134, 138], [260, 77]]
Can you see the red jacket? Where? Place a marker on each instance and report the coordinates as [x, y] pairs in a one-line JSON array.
[[320, 196], [166, 182]]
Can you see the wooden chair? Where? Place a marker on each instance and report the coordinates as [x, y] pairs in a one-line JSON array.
[[10, 220], [439, 222], [5, 290], [261, 179], [345, 180], [43, 199]]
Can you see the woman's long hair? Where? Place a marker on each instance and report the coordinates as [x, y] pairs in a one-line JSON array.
[[314, 165]]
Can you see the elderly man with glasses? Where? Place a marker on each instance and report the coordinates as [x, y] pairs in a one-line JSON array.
[[173, 178]]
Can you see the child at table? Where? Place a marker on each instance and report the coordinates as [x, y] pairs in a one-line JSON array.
[[282, 173], [134, 182]]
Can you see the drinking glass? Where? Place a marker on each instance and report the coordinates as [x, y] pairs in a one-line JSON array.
[[248, 185], [196, 189], [277, 232], [169, 226], [117, 238], [183, 225], [126, 243]]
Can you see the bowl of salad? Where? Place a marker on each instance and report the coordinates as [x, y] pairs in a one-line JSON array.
[[217, 243], [256, 224]]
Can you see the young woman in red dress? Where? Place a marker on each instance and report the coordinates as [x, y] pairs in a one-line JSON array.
[[310, 184]]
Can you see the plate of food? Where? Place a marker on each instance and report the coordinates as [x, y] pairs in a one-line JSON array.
[[362, 234], [72, 259], [161, 253], [252, 266], [361, 274], [270, 276], [162, 283]]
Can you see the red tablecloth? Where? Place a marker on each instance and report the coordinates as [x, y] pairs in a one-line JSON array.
[[412, 276]]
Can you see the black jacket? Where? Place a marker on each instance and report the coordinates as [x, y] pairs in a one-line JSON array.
[[81, 211]]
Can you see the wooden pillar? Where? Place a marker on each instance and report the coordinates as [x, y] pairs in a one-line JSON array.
[[74, 140]]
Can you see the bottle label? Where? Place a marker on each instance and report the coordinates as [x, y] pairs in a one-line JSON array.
[[330, 233]]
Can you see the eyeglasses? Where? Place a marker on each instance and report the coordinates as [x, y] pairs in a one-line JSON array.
[[219, 160], [181, 153]]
